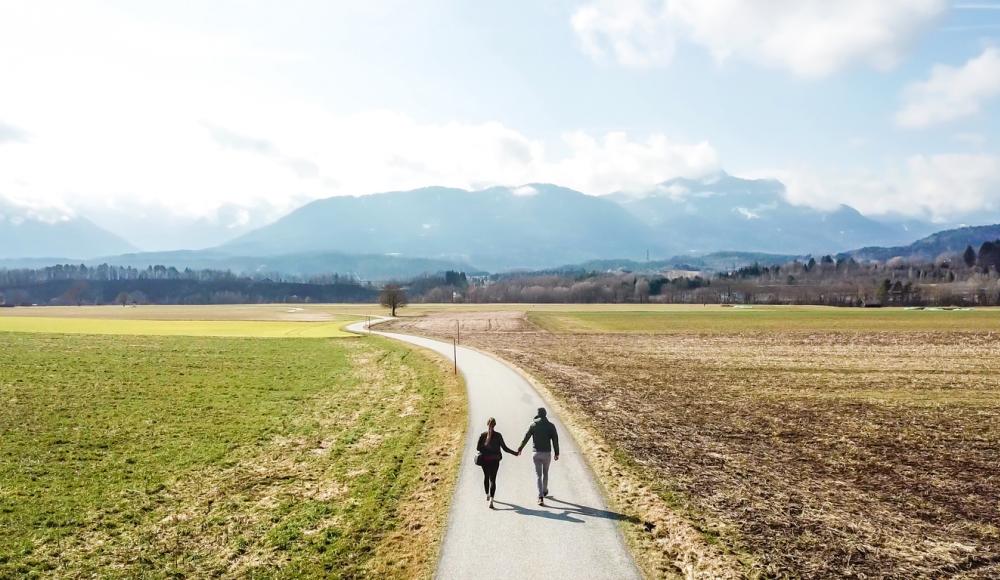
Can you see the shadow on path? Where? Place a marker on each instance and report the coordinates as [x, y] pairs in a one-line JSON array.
[[539, 513], [564, 513], [594, 513]]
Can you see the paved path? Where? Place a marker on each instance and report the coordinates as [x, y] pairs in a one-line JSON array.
[[574, 536]]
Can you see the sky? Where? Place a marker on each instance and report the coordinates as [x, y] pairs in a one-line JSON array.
[[232, 113]]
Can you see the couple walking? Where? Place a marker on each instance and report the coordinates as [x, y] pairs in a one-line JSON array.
[[544, 440]]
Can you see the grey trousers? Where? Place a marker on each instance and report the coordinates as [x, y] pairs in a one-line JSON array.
[[542, 461]]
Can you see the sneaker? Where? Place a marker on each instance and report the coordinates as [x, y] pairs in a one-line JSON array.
[[491, 503], [547, 494], [541, 501]]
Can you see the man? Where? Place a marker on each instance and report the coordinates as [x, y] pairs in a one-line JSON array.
[[544, 440]]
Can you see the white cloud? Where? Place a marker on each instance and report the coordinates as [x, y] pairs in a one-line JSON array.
[[17, 210], [169, 160], [181, 125], [614, 162], [11, 134], [938, 187], [676, 191], [952, 92], [162, 164], [636, 33], [810, 38]]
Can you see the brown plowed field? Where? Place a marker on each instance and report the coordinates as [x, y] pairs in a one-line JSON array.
[[816, 454]]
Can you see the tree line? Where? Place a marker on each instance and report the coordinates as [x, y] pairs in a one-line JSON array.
[[963, 279], [108, 272], [69, 284], [967, 278]]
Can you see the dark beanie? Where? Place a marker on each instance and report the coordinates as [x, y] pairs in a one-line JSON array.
[[541, 411]]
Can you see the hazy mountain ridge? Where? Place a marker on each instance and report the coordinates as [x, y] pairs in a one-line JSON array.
[[723, 211], [500, 228], [953, 241], [25, 232], [715, 261], [540, 226], [531, 227], [155, 228]]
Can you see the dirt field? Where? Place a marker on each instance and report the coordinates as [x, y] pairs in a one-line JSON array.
[[807, 453]]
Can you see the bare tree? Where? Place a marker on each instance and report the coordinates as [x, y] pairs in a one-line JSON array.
[[392, 297], [642, 290]]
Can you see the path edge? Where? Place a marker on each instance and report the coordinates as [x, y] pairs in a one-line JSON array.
[[460, 474], [587, 440]]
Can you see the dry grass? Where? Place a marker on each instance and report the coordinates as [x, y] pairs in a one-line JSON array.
[[806, 454]]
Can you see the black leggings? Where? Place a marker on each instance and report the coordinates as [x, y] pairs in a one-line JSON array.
[[490, 477]]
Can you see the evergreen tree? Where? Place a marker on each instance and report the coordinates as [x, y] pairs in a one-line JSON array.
[[989, 255], [969, 256], [882, 291]]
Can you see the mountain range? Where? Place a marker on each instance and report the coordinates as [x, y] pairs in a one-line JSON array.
[[26, 232], [724, 212], [495, 229], [543, 225], [531, 227]]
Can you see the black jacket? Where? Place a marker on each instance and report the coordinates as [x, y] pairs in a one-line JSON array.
[[491, 452], [543, 436]]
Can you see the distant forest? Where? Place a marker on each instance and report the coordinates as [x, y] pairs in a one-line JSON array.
[[963, 279], [79, 284], [966, 279]]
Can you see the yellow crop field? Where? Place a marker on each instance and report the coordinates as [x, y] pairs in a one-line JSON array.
[[333, 327]]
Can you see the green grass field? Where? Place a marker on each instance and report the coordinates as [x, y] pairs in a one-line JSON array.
[[332, 327], [713, 319], [149, 456]]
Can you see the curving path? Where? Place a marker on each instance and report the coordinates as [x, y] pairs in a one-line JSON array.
[[573, 536]]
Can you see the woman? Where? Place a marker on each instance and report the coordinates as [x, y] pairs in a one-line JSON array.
[[491, 446]]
